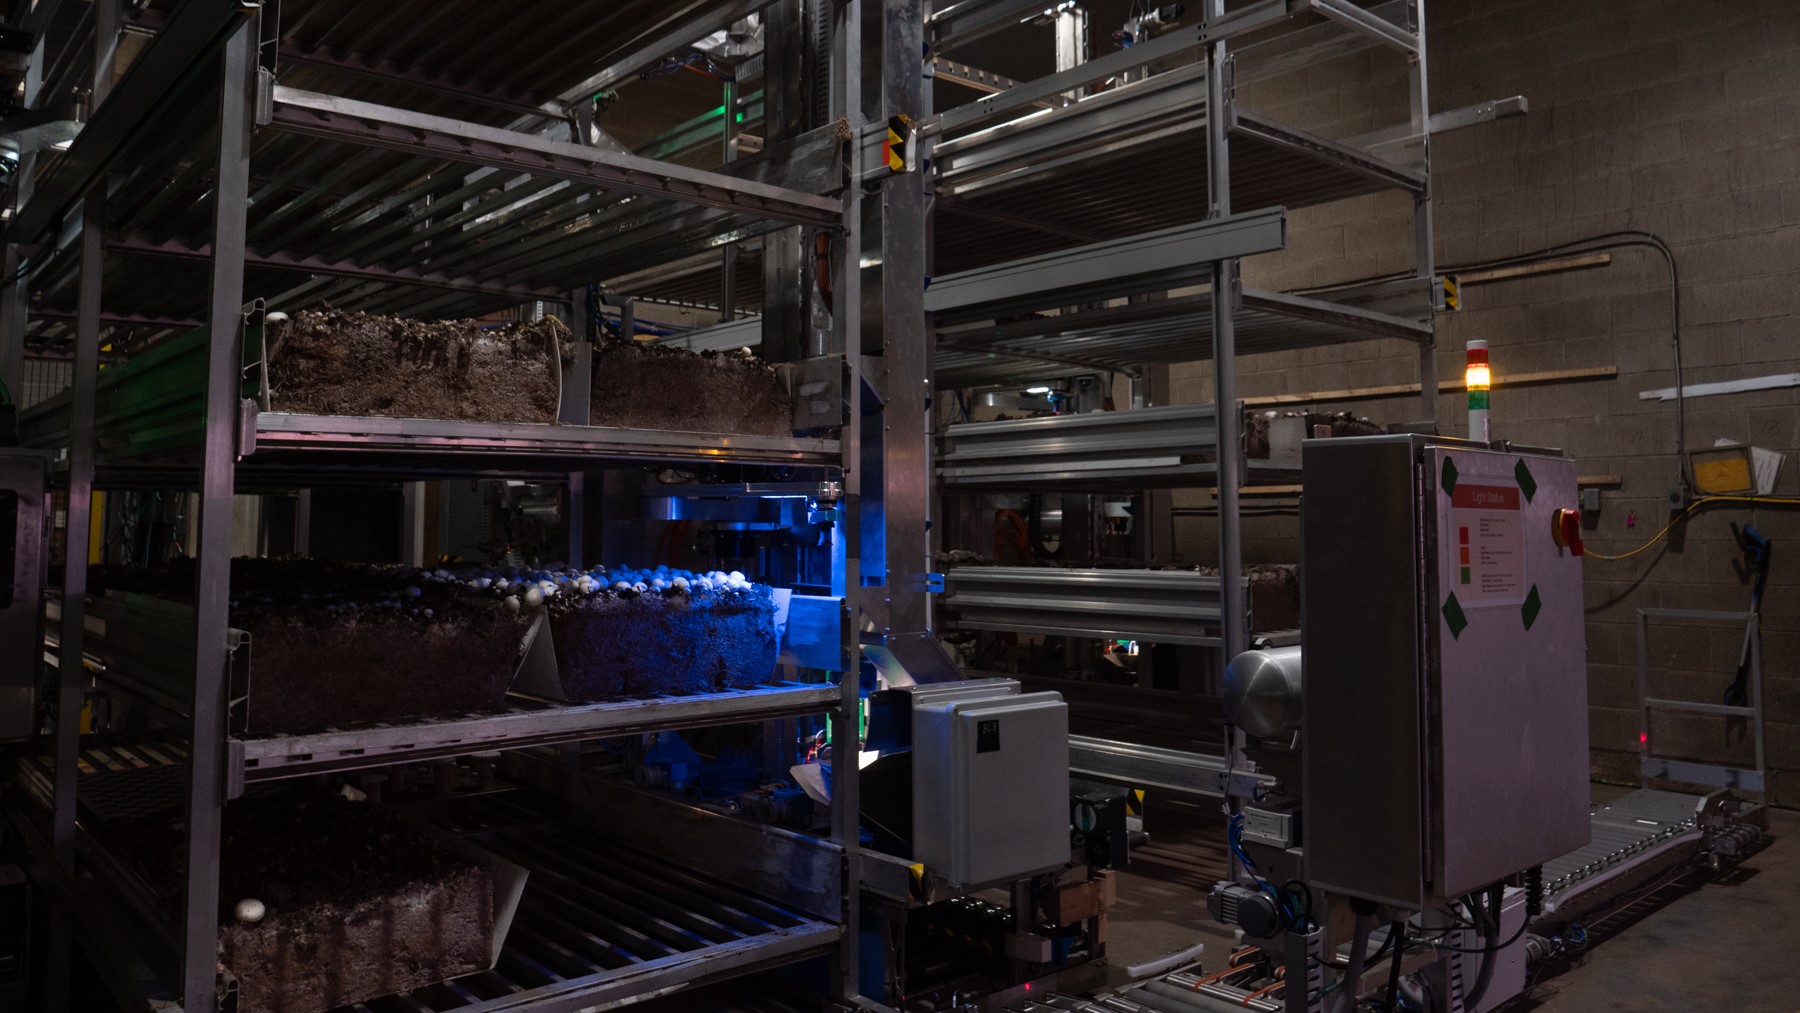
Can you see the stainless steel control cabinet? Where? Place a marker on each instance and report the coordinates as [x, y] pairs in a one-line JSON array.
[[1446, 737], [991, 787]]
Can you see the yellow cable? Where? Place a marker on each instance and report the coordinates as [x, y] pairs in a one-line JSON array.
[[1695, 505]]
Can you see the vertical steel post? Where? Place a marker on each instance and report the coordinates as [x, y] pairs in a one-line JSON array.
[[905, 338], [1224, 306], [218, 460], [1424, 234], [1227, 416], [846, 316], [729, 255], [577, 393], [785, 290], [72, 674], [15, 295]]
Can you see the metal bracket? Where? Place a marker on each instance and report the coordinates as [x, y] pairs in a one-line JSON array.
[[1246, 784], [246, 428], [265, 97], [890, 147]]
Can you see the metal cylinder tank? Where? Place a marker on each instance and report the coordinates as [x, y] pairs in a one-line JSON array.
[[1262, 691]]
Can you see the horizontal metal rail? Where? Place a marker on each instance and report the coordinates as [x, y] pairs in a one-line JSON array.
[[1167, 445], [282, 756], [285, 434], [333, 118], [174, 248], [1161, 260], [1165, 770], [1159, 606], [1182, 42]]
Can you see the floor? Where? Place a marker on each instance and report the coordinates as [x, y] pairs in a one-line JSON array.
[[1727, 943]]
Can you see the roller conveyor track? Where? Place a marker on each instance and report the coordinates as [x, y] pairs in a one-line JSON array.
[[1635, 838], [600, 924]]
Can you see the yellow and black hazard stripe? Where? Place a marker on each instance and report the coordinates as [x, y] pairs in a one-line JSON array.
[[894, 147]]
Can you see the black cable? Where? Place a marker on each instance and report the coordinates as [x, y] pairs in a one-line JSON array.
[[1622, 239], [1487, 949], [1398, 933]]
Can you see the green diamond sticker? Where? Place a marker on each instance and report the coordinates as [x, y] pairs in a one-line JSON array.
[[1448, 482], [1454, 618], [1527, 484], [1533, 605]]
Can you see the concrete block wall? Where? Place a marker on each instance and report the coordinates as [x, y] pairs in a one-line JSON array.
[[1675, 118]]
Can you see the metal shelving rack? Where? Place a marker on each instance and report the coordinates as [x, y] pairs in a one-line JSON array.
[[433, 185], [1086, 184]]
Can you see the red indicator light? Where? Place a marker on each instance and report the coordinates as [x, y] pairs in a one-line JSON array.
[[1643, 738]]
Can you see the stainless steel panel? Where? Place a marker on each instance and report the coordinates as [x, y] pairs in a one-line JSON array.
[[1459, 688], [1512, 773], [1363, 791]]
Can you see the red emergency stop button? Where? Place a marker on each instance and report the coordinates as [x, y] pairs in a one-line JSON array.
[[1565, 529]]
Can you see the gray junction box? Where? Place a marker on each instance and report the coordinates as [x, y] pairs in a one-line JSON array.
[[991, 787]]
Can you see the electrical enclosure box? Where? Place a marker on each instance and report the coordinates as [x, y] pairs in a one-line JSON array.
[[1446, 735], [991, 787], [23, 536]]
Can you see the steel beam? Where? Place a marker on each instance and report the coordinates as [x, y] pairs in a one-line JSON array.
[[682, 29], [212, 591], [1182, 42], [1442, 122], [1165, 259], [118, 319], [985, 81], [1157, 606], [195, 30], [959, 24], [846, 106], [72, 676], [1152, 447], [176, 249], [1380, 29], [365, 123], [1221, 109], [1424, 227], [296, 54], [71, 673], [905, 357], [1161, 770]]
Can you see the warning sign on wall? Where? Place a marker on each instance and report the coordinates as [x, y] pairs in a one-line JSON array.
[[1484, 545]]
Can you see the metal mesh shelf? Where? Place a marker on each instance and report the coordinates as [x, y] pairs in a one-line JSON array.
[[409, 176], [1166, 330], [995, 184]]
